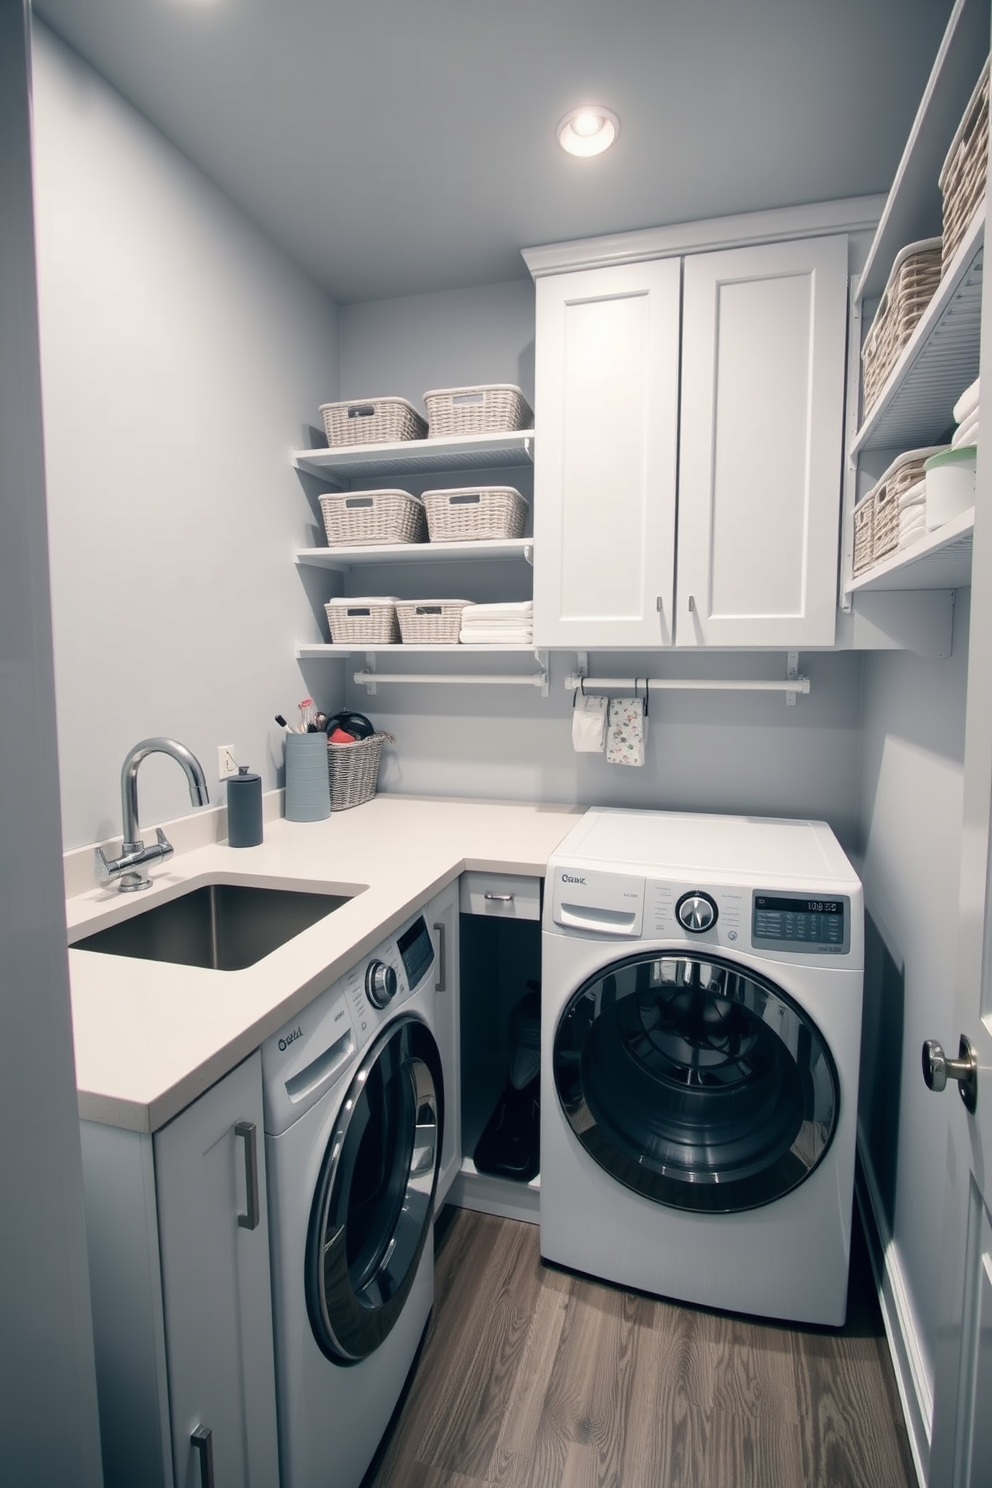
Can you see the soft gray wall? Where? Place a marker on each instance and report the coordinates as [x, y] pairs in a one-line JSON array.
[[911, 804], [183, 358], [48, 1409]]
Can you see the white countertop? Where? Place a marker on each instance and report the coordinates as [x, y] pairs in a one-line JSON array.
[[150, 1037]]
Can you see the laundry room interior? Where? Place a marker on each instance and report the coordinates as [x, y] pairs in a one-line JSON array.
[[193, 276]]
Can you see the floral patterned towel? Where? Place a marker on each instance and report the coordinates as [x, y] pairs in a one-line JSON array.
[[626, 732]]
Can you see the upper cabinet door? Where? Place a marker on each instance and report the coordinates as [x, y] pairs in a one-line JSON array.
[[605, 461], [764, 333]]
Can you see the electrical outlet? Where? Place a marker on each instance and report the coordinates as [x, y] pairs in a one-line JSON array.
[[226, 763]]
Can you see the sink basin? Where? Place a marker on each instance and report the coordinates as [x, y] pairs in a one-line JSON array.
[[222, 926]]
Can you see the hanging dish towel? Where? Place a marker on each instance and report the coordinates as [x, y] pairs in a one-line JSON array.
[[589, 724], [626, 732]]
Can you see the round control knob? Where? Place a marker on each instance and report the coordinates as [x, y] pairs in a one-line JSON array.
[[380, 983], [696, 912]]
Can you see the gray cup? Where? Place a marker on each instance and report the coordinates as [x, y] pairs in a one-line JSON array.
[[308, 791]]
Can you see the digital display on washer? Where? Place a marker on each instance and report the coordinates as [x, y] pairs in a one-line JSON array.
[[801, 922], [415, 947]]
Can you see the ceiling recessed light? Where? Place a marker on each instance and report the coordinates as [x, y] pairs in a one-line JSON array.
[[588, 130]]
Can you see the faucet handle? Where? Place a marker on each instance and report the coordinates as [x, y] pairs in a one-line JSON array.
[[104, 869]]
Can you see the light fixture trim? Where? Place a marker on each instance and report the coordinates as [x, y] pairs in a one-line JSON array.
[[588, 130]]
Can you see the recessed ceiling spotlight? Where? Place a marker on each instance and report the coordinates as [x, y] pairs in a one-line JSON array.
[[588, 130]]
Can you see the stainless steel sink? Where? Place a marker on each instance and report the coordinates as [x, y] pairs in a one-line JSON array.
[[222, 926]]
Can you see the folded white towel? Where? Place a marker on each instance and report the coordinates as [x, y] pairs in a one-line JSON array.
[[966, 432], [516, 611], [507, 637], [967, 403], [588, 724]]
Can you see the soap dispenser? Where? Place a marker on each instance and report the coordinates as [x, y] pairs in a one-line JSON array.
[[244, 809]]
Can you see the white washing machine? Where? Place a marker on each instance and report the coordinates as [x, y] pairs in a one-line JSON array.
[[701, 1030], [354, 1115]]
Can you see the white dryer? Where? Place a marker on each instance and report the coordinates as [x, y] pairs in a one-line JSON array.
[[354, 1114], [701, 1031]]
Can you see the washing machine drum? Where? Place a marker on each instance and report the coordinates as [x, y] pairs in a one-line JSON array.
[[695, 1084], [372, 1211]]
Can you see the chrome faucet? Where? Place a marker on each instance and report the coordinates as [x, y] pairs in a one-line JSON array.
[[134, 854]]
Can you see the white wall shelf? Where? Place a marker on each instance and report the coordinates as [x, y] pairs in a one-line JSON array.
[[345, 463], [913, 208], [342, 560], [941, 560], [315, 651], [938, 362]]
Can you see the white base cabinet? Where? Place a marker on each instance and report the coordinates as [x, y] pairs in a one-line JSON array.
[[177, 1234], [688, 477]]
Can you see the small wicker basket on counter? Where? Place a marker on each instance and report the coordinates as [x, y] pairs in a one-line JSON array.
[[474, 513], [491, 408], [353, 770], [365, 621], [962, 177], [389, 516], [430, 622], [876, 516], [911, 285], [372, 421]]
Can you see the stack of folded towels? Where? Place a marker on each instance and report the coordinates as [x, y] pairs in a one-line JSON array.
[[966, 417], [498, 624], [912, 515]]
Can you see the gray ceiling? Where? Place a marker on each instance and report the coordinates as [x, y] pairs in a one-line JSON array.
[[396, 147]]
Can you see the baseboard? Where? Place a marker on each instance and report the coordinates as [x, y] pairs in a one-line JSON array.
[[898, 1317]]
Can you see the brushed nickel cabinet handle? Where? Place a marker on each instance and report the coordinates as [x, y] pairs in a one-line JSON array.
[[499, 898], [202, 1440], [441, 985], [246, 1131]]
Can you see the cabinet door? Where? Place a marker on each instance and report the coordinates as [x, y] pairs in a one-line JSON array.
[[216, 1287], [764, 333], [605, 462]]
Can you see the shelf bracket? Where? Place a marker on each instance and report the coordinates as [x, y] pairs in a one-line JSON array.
[[541, 657], [791, 675], [369, 667]]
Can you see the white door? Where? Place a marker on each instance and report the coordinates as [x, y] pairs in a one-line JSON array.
[[605, 461], [961, 1443], [763, 350]]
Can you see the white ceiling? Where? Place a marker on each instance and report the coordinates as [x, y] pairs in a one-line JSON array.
[[396, 147]]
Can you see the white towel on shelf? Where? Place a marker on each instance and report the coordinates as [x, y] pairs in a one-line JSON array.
[[502, 613], [589, 723], [626, 732], [491, 635], [967, 403], [966, 432]]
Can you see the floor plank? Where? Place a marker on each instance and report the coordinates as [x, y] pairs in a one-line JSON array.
[[533, 1377]]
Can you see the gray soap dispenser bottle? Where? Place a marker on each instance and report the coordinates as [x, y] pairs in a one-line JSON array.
[[244, 809]]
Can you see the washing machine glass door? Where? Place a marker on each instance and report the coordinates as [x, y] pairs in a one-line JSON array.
[[697, 1085], [371, 1214]]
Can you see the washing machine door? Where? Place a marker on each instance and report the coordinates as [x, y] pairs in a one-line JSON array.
[[695, 1083], [371, 1214]]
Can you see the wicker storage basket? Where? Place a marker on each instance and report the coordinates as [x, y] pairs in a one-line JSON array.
[[353, 770], [472, 513], [914, 278], [372, 421], [430, 621], [962, 177], [496, 408], [373, 517], [876, 518], [363, 621]]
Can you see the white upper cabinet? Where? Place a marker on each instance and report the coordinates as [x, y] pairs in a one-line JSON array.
[[690, 413], [763, 346], [605, 471]]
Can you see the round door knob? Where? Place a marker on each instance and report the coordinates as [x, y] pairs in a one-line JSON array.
[[696, 912], [380, 983], [938, 1069]]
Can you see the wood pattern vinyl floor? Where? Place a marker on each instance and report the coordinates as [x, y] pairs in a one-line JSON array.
[[532, 1377]]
